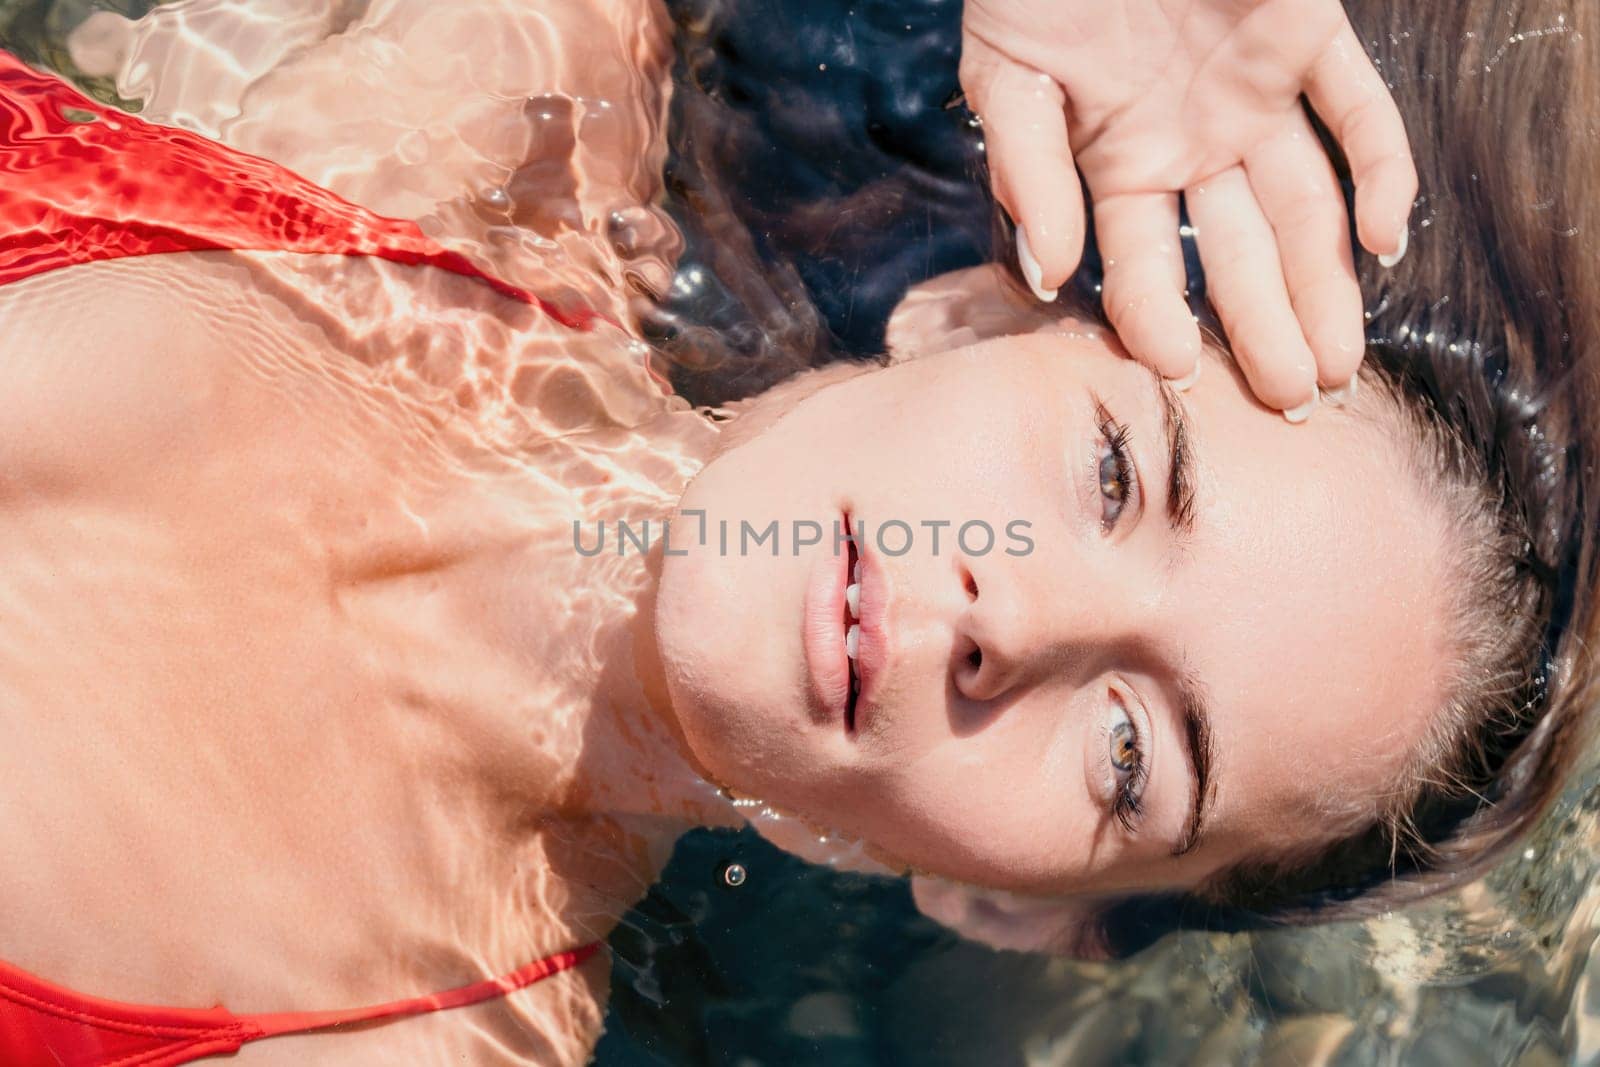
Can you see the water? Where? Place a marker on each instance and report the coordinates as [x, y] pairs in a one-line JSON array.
[[799, 964], [803, 966]]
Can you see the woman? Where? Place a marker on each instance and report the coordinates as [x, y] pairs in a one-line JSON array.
[[328, 700]]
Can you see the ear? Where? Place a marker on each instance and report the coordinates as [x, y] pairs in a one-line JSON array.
[[961, 308], [1062, 926]]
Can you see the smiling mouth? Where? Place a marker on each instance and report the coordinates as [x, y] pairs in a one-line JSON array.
[[852, 629]]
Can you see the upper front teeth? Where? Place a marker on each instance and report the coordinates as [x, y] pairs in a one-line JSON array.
[[852, 599], [852, 637]]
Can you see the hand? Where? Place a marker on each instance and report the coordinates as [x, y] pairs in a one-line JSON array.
[[1153, 98]]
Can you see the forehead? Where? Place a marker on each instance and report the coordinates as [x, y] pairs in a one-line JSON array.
[[1310, 605]]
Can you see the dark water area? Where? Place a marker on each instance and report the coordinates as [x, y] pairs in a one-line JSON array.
[[821, 165], [796, 965]]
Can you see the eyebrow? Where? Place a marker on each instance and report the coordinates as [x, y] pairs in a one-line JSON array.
[[1197, 737], [1181, 481], [1193, 705]]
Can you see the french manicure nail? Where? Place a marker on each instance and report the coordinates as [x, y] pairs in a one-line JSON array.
[[1300, 414], [1186, 383], [1399, 253], [1341, 395], [1031, 269]]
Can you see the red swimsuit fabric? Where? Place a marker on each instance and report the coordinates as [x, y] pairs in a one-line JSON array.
[[80, 183], [44, 1025]]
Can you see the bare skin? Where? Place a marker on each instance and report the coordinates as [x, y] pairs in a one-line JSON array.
[[341, 738], [317, 706]]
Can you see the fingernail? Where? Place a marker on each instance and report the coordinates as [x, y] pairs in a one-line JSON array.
[[1399, 253], [1303, 412], [1031, 269], [1341, 395], [1184, 384]]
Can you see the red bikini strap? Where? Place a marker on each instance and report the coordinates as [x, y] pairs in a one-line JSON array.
[[299, 1022], [46, 1025]]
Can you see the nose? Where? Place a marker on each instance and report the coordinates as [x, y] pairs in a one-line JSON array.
[[1024, 625]]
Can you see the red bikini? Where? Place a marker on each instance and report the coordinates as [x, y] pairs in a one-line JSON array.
[[44, 1025], [79, 183]]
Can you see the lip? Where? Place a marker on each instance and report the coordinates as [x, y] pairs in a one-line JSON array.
[[822, 636], [872, 643]]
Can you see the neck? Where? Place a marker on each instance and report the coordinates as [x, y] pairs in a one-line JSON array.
[[635, 761], [579, 628]]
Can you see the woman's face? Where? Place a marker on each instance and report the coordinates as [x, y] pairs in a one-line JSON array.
[[1038, 714]]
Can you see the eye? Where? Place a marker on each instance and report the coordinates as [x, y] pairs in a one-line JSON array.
[[1129, 765], [1124, 743], [1118, 479]]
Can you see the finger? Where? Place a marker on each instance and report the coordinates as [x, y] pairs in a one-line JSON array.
[[1350, 97], [1244, 278], [1144, 280], [1297, 191], [1030, 162]]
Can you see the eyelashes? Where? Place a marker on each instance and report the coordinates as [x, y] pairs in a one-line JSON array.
[[1129, 765], [1119, 480], [1127, 746]]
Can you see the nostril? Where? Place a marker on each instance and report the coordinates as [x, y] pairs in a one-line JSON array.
[[971, 584], [976, 703], [966, 659]]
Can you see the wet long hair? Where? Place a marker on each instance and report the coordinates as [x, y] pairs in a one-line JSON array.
[[1483, 351], [1484, 344]]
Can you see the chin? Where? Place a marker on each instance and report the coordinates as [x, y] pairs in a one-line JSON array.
[[719, 681], [765, 750], [733, 712], [691, 671], [733, 671]]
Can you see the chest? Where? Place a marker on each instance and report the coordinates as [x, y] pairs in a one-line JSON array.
[[238, 692], [254, 647]]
